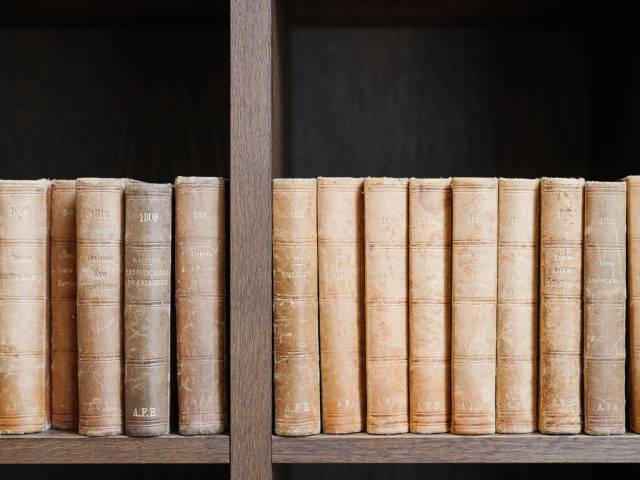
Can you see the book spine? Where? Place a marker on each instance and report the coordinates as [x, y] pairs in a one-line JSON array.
[[64, 342], [474, 296], [633, 279], [24, 306], [341, 301], [605, 291], [295, 304], [147, 308], [560, 372], [429, 305], [386, 297], [99, 253], [517, 321], [200, 305]]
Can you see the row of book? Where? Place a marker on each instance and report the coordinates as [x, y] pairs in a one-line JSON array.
[[86, 302], [470, 305]]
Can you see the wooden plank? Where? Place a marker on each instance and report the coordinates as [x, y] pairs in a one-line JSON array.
[[447, 448], [64, 447], [250, 252]]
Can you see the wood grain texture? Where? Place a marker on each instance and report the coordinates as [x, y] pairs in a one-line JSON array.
[[64, 447]]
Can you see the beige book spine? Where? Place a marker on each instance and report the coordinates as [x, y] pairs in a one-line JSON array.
[[605, 220], [295, 304], [341, 301], [560, 370], [517, 322], [386, 297], [474, 297], [633, 279], [429, 305]]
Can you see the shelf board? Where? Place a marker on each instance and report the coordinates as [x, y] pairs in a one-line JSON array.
[[447, 448], [64, 447]]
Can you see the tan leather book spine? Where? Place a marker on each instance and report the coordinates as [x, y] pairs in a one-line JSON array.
[[474, 296], [560, 368], [64, 341], [200, 305], [295, 307], [386, 297], [429, 305], [24, 306], [341, 300], [633, 281], [147, 308], [605, 296], [100, 255], [517, 322]]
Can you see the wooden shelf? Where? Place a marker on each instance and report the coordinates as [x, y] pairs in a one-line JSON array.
[[63, 447], [447, 448]]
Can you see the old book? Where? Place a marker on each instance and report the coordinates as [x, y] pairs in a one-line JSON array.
[[561, 220], [517, 321], [99, 253], [386, 297], [429, 305], [605, 291], [341, 301], [24, 306], [633, 279], [64, 342], [200, 304], [147, 308], [295, 307]]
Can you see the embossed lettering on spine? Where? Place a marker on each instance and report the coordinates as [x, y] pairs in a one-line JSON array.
[[429, 305], [386, 292], [64, 342], [295, 307], [24, 306], [561, 220], [147, 308], [99, 254], [605, 220], [633, 279], [200, 304], [341, 296], [517, 335], [474, 292]]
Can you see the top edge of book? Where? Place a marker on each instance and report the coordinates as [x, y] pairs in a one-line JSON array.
[[136, 186], [632, 178], [443, 182], [386, 181], [563, 180], [95, 181], [521, 182], [300, 182], [474, 182], [39, 181], [355, 181], [199, 180], [62, 182], [590, 184]]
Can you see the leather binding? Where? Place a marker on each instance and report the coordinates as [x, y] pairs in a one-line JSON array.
[[429, 305], [517, 321], [99, 254], [386, 297], [633, 281], [24, 306], [147, 308], [341, 301], [295, 304], [474, 292], [604, 291], [560, 372], [200, 304], [64, 342]]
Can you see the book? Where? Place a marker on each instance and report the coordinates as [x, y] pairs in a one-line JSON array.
[[99, 253], [24, 306], [147, 308], [633, 289], [517, 320], [295, 307], [386, 297], [429, 305], [473, 297], [64, 342], [605, 220], [341, 302], [200, 295], [560, 344]]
